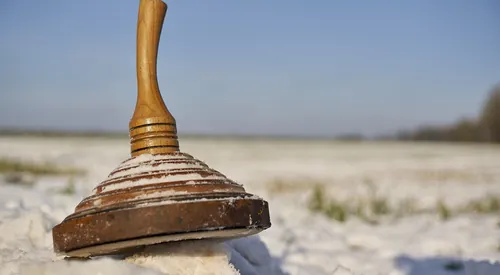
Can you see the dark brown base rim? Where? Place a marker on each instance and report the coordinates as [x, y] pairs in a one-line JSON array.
[[159, 220], [129, 247]]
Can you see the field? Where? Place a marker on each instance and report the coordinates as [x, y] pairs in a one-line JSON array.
[[336, 207]]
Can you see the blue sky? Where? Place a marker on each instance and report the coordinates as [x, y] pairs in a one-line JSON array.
[[252, 67]]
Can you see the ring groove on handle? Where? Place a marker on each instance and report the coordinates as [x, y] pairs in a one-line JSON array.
[[152, 129]]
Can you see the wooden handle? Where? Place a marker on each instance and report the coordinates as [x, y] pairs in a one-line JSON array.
[[152, 127]]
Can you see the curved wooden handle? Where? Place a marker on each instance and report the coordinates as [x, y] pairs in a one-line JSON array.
[[152, 127]]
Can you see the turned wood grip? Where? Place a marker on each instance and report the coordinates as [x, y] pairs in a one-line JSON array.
[[152, 127]]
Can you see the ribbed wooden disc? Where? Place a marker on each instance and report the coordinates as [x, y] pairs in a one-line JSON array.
[[151, 196]]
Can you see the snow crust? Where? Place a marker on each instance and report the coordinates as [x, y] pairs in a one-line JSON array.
[[185, 258], [298, 242], [149, 164]]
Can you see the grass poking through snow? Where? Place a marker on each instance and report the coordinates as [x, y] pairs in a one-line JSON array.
[[22, 172], [10, 166], [443, 211], [367, 209], [488, 205], [373, 207], [69, 189], [331, 208]]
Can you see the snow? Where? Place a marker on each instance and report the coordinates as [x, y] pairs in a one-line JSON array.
[[128, 184], [124, 176], [299, 242], [186, 258]]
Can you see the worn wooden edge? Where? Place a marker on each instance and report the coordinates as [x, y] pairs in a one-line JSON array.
[[120, 225]]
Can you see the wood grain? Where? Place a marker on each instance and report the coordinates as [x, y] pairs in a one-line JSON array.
[[152, 128]]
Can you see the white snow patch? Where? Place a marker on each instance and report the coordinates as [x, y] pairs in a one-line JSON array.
[[103, 266], [144, 164], [185, 258], [160, 194], [146, 181], [298, 242], [146, 168]]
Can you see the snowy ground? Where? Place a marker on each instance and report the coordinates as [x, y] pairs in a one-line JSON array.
[[300, 241]]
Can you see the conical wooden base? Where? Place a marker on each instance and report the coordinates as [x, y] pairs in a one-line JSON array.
[[159, 194], [157, 198]]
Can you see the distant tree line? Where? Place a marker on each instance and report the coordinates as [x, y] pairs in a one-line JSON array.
[[484, 128]]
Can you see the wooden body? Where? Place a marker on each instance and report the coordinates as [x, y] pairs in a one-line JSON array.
[[165, 195], [152, 127]]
